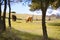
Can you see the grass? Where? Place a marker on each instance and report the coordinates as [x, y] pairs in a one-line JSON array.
[[14, 34], [54, 22], [31, 31], [35, 28], [53, 28]]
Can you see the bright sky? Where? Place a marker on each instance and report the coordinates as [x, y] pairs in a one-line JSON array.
[[21, 9]]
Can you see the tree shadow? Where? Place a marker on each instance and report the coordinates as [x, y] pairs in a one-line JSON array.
[[1, 26], [13, 34]]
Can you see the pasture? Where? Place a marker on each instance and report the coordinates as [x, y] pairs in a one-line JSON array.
[[32, 30]]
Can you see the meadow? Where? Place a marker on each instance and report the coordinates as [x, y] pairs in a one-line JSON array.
[[31, 30]]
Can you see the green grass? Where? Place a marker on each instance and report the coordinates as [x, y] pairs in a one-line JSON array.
[[14, 34], [54, 23], [53, 28], [30, 31], [33, 27]]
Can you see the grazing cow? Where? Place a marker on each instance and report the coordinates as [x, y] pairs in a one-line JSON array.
[[14, 18], [29, 19]]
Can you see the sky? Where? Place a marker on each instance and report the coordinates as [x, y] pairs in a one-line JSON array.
[[19, 8]]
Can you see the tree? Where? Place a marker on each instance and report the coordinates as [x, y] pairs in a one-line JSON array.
[[9, 13], [43, 5], [4, 14]]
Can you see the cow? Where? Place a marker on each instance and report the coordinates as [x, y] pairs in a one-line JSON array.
[[29, 19], [14, 17]]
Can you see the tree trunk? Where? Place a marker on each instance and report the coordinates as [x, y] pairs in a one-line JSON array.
[[45, 36], [44, 8], [4, 14], [0, 9], [9, 13]]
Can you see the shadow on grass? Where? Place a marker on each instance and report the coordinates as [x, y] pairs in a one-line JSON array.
[[14, 34], [54, 24]]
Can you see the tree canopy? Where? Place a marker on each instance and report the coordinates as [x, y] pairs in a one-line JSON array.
[[36, 4]]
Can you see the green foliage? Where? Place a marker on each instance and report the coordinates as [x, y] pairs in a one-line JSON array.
[[36, 4], [55, 4], [36, 0], [58, 4]]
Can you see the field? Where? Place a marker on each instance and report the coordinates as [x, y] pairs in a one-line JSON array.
[[31, 31]]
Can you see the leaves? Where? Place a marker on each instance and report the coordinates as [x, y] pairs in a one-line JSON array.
[[35, 6]]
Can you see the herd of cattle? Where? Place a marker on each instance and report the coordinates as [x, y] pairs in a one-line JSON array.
[[29, 19]]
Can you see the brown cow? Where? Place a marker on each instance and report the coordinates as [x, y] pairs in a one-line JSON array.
[[29, 19]]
